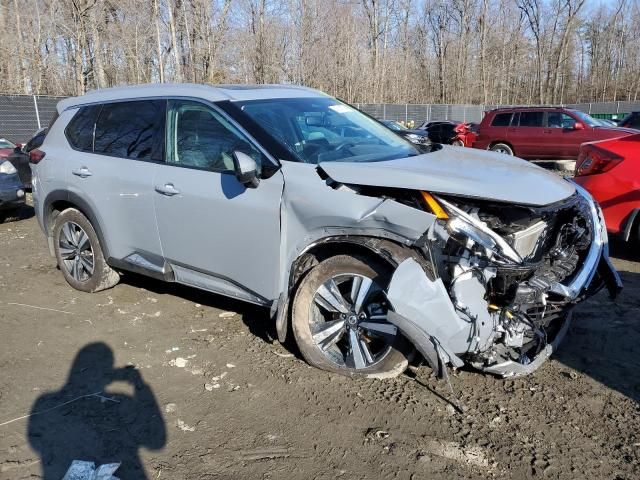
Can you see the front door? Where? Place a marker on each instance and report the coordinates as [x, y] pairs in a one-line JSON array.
[[216, 234]]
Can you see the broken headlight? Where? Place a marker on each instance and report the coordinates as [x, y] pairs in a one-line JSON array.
[[470, 231]]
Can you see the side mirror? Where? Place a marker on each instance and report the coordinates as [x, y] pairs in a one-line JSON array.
[[246, 169], [578, 126]]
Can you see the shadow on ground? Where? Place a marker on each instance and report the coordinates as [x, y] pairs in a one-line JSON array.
[[604, 340], [255, 317], [87, 420]]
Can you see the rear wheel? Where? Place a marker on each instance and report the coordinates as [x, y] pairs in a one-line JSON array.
[[501, 148], [79, 254], [339, 320], [457, 143]]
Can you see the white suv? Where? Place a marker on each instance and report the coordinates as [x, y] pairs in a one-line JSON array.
[[365, 244]]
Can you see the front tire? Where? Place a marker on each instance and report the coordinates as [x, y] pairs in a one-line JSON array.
[[501, 148], [79, 254], [457, 143], [339, 320]]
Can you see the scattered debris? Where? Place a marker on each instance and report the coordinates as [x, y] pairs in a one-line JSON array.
[[265, 453], [227, 314], [170, 407], [230, 365], [179, 362], [40, 308], [283, 355], [184, 427], [474, 456], [82, 470]]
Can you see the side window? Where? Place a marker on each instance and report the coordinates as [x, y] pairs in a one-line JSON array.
[[79, 131], [131, 130], [560, 120], [635, 121], [199, 137], [502, 120], [531, 119]]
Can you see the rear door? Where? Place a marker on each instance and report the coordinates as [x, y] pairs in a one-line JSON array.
[[527, 135], [112, 170], [217, 234]]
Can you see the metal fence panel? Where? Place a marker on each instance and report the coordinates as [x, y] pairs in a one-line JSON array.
[[22, 115]]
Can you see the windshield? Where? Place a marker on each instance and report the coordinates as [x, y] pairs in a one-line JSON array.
[[586, 118], [326, 130], [394, 126]]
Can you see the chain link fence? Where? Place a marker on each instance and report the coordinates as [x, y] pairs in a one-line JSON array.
[[419, 113], [22, 115]]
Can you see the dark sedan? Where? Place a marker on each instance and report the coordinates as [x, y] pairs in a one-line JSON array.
[[11, 189], [414, 136]]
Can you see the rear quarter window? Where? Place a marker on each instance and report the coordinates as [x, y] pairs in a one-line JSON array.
[[502, 120], [79, 132], [531, 119]]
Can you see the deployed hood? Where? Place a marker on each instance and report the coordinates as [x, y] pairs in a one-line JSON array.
[[459, 171]]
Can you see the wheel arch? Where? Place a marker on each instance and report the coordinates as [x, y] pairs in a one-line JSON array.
[[374, 248], [59, 200], [505, 142]]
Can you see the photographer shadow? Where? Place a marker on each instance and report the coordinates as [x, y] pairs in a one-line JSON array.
[[85, 421]]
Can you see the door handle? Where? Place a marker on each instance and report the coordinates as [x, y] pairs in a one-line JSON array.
[[82, 172], [167, 189]]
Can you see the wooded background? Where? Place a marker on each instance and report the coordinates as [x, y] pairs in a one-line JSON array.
[[392, 51]]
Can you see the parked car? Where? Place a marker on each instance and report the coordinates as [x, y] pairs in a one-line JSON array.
[[20, 156], [413, 135], [442, 132], [606, 122], [541, 132], [11, 189], [287, 198], [631, 121], [465, 135], [610, 171], [7, 147]]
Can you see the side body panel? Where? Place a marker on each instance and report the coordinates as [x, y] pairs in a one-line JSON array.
[[217, 227]]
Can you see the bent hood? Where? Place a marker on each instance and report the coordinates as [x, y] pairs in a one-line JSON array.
[[459, 171]]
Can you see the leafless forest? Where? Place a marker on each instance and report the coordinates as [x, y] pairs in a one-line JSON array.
[[396, 51]]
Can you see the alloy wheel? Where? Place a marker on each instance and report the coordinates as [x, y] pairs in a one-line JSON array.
[[349, 321], [76, 251]]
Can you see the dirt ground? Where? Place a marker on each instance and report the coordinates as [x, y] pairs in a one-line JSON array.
[[209, 394]]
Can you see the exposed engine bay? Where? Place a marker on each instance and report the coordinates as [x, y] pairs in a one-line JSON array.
[[505, 279], [500, 264]]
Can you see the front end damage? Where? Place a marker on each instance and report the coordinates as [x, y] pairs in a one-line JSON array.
[[505, 280]]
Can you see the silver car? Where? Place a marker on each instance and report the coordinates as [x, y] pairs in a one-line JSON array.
[[365, 246]]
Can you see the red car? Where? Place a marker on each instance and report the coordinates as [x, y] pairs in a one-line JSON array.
[[610, 171], [541, 132]]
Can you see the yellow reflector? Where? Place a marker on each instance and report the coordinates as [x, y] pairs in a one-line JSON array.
[[435, 207]]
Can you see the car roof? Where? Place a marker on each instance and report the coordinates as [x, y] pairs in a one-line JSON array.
[[520, 109], [214, 93]]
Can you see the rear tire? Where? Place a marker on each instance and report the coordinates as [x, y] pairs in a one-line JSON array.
[[79, 253], [379, 355], [501, 148], [457, 143]]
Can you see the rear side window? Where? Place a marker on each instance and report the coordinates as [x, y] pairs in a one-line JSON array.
[[531, 119], [502, 120], [79, 132], [131, 130]]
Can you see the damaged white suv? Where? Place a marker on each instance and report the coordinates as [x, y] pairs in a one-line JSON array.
[[366, 245]]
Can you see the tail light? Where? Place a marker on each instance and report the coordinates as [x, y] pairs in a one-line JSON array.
[[593, 160], [35, 156]]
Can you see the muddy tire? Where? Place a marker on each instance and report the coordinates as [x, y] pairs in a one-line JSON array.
[[501, 148], [326, 334], [79, 253]]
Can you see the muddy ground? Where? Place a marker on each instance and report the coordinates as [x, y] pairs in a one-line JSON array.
[[209, 394]]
